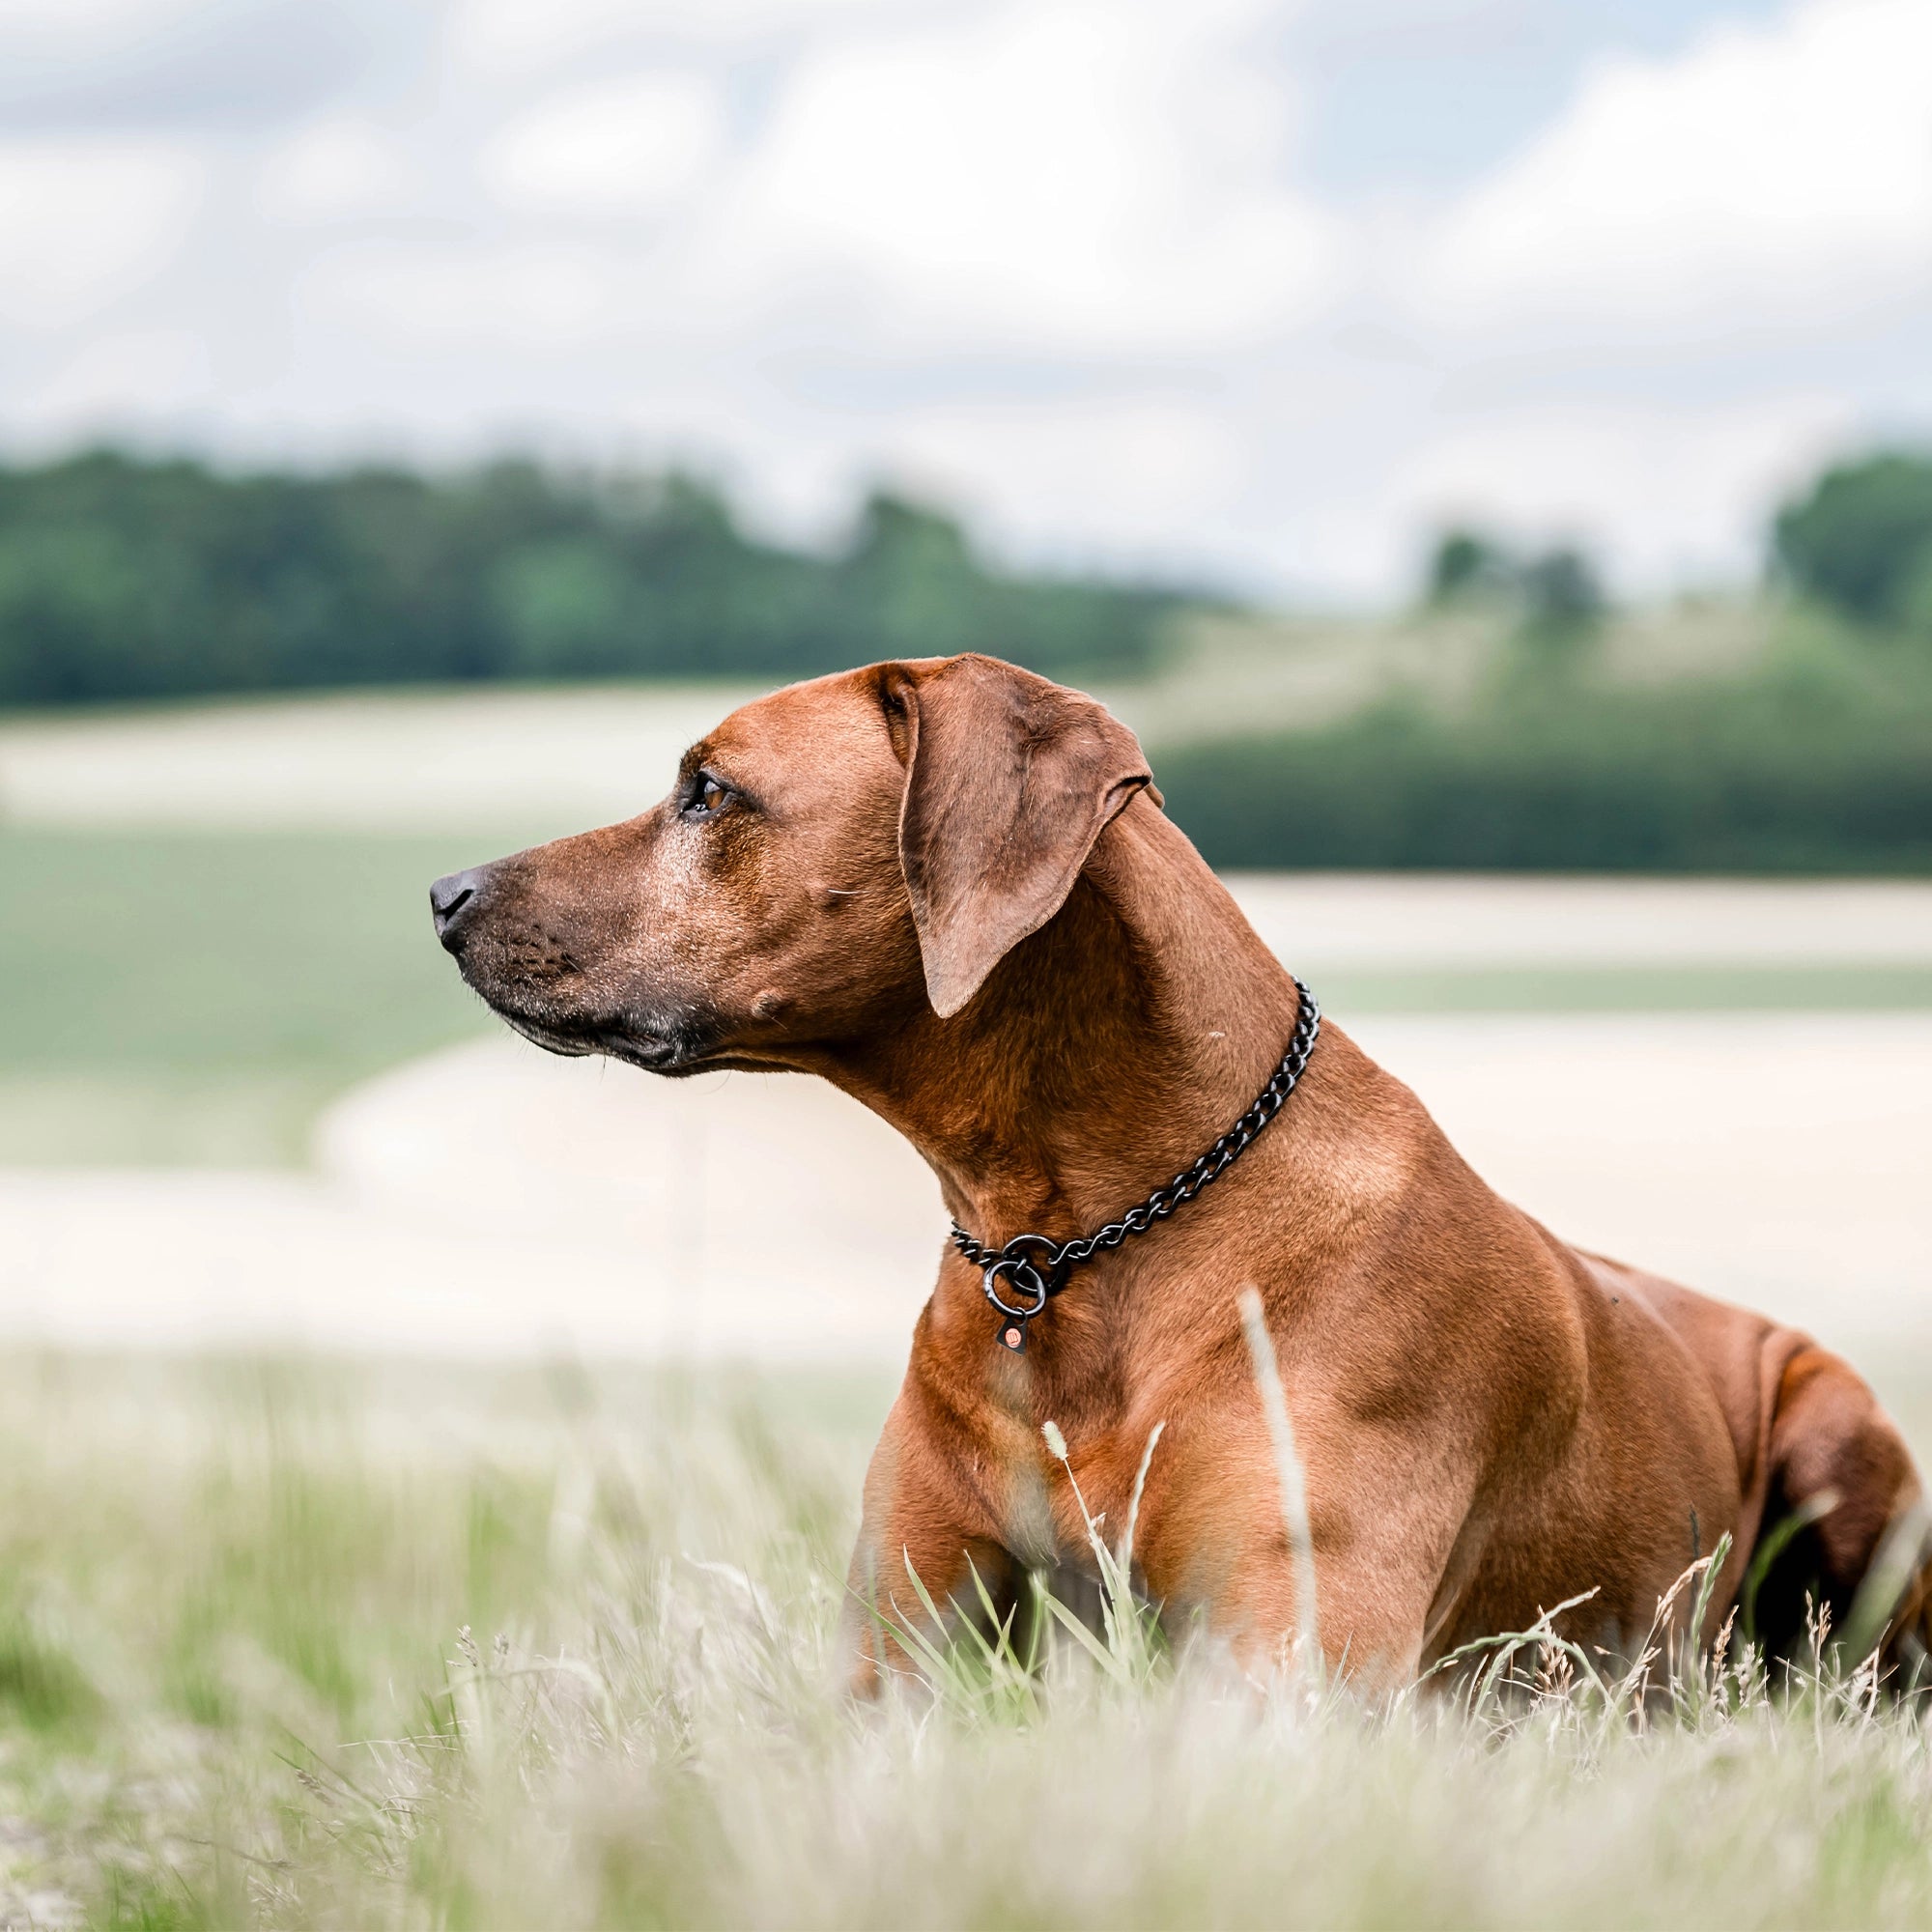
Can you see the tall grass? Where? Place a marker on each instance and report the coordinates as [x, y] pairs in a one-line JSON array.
[[335, 1647]]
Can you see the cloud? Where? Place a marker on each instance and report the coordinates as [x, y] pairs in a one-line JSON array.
[[1084, 177], [72, 64], [1674, 493], [1787, 164], [80, 24], [1104, 473], [115, 383], [83, 223], [332, 170], [636, 143], [514, 35], [524, 298]]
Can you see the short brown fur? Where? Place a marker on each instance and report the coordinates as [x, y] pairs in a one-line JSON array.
[[946, 887]]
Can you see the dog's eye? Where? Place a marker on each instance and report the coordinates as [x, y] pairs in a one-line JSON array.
[[707, 799]]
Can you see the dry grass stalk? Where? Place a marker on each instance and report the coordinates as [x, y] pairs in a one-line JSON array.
[[1288, 1474]]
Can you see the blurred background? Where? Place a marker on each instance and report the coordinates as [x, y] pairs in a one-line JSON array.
[[1484, 449]]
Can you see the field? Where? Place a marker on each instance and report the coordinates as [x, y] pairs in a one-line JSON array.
[[190, 997], [315, 1645], [370, 1635]]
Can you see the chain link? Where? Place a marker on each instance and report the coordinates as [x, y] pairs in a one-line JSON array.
[[1037, 1267]]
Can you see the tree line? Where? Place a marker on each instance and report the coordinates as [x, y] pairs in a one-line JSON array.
[[125, 579], [1795, 769], [129, 579], [122, 579], [1815, 757], [1856, 541]]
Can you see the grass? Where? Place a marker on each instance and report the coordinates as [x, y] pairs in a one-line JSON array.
[[326, 1646], [198, 997]]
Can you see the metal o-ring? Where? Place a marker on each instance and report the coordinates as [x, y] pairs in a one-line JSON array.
[[1017, 1269]]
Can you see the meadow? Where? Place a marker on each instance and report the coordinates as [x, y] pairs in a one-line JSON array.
[[312, 1644], [187, 997]]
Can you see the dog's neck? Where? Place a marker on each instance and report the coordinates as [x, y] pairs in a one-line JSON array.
[[1103, 1055]]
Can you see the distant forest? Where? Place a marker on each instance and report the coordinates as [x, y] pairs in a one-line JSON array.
[[129, 579], [1815, 757], [122, 578], [1809, 765]]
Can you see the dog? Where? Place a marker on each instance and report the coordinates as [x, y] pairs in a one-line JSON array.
[[949, 886]]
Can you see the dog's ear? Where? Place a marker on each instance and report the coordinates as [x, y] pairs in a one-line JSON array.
[[1009, 779]]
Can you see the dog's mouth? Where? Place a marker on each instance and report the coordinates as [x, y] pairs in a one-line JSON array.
[[670, 1045]]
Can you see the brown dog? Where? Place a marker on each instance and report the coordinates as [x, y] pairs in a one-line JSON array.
[[948, 886]]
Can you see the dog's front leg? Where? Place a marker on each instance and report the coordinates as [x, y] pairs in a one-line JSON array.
[[1384, 1509], [918, 1522]]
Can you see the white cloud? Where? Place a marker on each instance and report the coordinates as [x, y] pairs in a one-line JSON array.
[[518, 297], [82, 22], [331, 171], [640, 142], [1101, 474], [1787, 163], [1672, 493], [1056, 173], [116, 380], [84, 223], [514, 35]]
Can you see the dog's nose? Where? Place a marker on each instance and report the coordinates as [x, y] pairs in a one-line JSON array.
[[453, 901]]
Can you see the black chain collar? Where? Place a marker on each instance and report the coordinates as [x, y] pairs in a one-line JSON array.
[[1036, 1269]]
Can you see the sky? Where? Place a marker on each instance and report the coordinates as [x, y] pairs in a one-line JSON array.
[[1249, 293]]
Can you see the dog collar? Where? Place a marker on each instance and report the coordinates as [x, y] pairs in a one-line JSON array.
[[1036, 1269]]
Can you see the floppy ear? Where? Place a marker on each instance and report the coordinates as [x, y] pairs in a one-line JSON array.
[[1009, 779]]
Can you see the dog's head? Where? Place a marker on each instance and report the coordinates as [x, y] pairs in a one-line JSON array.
[[828, 856]]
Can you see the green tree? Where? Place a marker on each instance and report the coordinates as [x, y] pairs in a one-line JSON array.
[[571, 608], [127, 579], [1463, 562], [1860, 539], [1563, 599]]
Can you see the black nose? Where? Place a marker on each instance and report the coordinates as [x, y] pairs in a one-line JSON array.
[[452, 899]]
